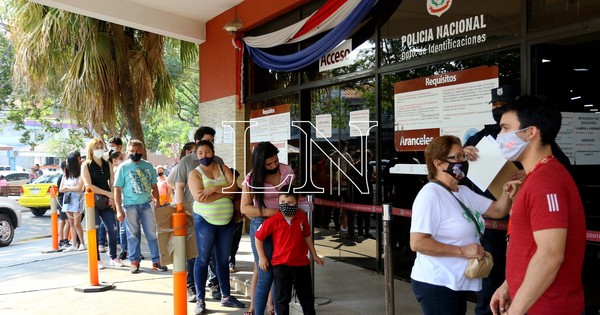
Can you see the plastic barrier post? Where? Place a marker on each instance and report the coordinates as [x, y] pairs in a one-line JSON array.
[[53, 220], [387, 261], [179, 222], [92, 248]]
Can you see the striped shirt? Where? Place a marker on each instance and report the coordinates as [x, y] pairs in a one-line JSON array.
[[220, 211]]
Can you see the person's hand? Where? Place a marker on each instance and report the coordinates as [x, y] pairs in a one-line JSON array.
[[511, 188], [120, 215], [473, 251], [500, 300], [206, 193], [472, 152], [319, 260], [263, 263]]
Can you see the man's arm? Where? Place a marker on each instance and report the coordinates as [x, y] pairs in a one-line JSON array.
[[155, 195], [542, 268], [120, 213]]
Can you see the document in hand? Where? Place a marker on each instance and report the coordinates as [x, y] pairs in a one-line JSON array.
[[491, 169]]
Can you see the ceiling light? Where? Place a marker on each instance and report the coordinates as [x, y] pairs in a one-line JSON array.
[[588, 105], [545, 60], [581, 69], [593, 110], [575, 98]]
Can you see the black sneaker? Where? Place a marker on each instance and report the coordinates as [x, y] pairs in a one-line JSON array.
[[159, 267], [200, 308], [191, 295], [215, 292], [231, 301], [123, 255]]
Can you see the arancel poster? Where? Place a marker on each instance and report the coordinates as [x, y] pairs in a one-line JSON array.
[[455, 103]]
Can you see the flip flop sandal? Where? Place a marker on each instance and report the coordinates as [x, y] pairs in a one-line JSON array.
[[248, 313]]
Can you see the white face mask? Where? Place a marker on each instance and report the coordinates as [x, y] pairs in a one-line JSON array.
[[98, 153], [511, 145]]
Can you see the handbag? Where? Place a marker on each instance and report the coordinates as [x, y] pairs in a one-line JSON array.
[[476, 268], [100, 202], [66, 198]]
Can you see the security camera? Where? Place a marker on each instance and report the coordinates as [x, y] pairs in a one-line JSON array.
[[233, 26]]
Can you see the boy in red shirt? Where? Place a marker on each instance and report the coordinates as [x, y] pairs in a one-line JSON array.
[[291, 241]]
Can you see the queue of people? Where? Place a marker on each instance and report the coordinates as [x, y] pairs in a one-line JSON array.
[[546, 225]]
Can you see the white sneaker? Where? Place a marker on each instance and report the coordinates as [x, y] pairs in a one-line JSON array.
[[100, 265], [81, 247], [71, 248], [101, 249], [116, 262]]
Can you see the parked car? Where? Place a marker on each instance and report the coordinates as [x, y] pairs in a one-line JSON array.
[[10, 219], [36, 195], [17, 168], [15, 178]]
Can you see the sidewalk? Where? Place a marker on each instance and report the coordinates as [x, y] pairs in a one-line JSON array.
[[36, 283]]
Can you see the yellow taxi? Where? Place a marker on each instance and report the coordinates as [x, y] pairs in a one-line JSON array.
[[36, 195]]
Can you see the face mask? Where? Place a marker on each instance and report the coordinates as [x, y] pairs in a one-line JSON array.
[[161, 174], [206, 161], [114, 154], [135, 157], [511, 145], [273, 171], [458, 170], [288, 210], [497, 114], [98, 153]]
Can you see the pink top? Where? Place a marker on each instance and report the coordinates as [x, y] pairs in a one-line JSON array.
[[272, 192]]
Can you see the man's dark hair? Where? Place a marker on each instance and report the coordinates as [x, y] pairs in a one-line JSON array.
[[116, 141], [539, 112], [200, 132], [205, 143]]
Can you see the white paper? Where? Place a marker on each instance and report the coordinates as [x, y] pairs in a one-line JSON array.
[[483, 171]]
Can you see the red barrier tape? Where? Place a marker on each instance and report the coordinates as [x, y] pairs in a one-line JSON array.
[[592, 236]]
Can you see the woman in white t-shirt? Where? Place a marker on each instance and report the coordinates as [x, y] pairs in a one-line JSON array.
[[443, 234]]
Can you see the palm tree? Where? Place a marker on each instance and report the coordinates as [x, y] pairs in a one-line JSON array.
[[102, 70]]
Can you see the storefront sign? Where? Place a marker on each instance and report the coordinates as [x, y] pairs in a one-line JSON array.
[[452, 103], [338, 57], [323, 126]]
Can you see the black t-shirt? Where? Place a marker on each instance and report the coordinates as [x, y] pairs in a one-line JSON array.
[[100, 176]]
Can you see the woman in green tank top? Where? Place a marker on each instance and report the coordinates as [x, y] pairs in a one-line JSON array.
[[211, 185]]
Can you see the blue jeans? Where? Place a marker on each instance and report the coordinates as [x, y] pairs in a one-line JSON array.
[[123, 236], [265, 278], [134, 216], [100, 232], [211, 237], [107, 218], [435, 299]]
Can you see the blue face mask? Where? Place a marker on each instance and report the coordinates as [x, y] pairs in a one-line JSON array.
[[206, 161]]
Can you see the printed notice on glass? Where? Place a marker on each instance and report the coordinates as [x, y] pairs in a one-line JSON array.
[[323, 126], [566, 136], [359, 123], [451, 101], [587, 138], [270, 124]]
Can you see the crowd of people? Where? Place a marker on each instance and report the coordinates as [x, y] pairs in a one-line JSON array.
[[546, 226]]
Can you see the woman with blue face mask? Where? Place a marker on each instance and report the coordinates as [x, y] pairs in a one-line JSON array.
[[213, 223], [444, 235]]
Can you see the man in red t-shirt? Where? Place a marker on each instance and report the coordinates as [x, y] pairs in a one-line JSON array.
[[291, 242], [547, 224]]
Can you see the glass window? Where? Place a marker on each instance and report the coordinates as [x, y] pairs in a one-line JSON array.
[[412, 32], [548, 13]]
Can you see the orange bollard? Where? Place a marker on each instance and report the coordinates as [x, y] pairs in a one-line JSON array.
[[178, 221], [53, 220], [92, 247], [90, 223]]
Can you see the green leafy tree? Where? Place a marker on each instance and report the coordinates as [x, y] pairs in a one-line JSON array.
[[61, 146], [103, 71]]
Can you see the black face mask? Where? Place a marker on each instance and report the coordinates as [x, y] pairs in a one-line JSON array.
[[135, 157], [458, 170], [161, 174], [273, 171], [288, 210], [497, 114]]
